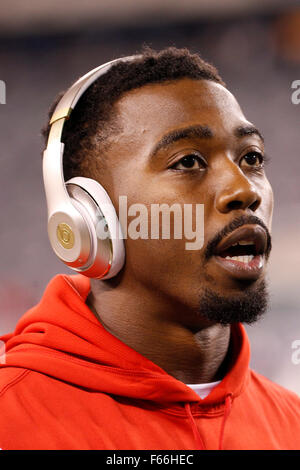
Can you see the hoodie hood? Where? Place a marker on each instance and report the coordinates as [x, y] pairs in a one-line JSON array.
[[62, 338]]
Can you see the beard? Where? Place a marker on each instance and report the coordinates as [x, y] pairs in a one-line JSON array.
[[247, 306]]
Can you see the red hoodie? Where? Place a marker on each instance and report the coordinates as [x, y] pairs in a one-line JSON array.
[[69, 384]]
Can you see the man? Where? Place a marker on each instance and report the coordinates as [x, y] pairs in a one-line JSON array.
[[156, 357]]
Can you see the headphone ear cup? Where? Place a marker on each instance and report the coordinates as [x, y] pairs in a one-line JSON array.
[[107, 255]]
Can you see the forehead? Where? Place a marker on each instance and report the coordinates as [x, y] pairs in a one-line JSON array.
[[157, 108]]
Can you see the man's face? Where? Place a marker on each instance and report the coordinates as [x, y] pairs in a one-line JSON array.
[[188, 142]]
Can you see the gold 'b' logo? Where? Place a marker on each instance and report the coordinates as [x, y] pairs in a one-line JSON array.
[[65, 236]]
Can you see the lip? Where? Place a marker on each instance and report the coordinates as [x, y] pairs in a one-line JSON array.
[[243, 271], [254, 233], [237, 269]]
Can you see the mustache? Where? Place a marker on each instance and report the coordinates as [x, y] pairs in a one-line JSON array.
[[233, 225]]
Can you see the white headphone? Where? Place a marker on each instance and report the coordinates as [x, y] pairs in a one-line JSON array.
[[83, 227]]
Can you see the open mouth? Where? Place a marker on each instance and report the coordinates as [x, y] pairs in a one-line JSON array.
[[243, 251]]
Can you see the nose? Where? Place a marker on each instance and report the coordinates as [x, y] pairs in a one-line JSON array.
[[237, 193]]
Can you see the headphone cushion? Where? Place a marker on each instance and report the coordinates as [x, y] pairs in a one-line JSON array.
[[103, 201]]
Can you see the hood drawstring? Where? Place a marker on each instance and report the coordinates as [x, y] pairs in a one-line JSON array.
[[228, 402], [197, 436], [195, 429]]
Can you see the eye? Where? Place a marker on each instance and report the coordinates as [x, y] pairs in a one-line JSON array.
[[190, 162], [253, 159]]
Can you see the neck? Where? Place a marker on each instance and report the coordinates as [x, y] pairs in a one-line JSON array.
[[156, 330]]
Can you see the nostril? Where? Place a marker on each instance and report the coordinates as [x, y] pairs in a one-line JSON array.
[[234, 205], [232, 199], [254, 205]]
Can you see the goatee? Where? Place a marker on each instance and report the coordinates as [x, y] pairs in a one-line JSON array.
[[247, 306]]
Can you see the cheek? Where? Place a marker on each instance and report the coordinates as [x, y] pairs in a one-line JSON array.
[[165, 267], [268, 203], [163, 264], [161, 260], [154, 262]]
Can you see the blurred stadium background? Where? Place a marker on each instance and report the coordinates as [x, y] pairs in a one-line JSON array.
[[45, 46]]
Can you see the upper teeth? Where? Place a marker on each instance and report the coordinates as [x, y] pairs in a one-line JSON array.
[[242, 259]]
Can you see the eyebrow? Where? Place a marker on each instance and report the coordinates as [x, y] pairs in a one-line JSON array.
[[203, 132], [243, 131]]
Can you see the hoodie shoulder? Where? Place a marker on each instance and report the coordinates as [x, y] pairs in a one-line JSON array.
[[276, 394]]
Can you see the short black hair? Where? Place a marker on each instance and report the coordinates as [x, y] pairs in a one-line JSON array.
[[94, 118]]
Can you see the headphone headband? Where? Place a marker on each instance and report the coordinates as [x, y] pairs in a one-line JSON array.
[[69, 100]]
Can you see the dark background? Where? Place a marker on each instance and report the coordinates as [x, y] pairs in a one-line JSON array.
[[45, 47]]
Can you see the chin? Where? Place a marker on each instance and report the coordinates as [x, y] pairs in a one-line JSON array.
[[245, 305]]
